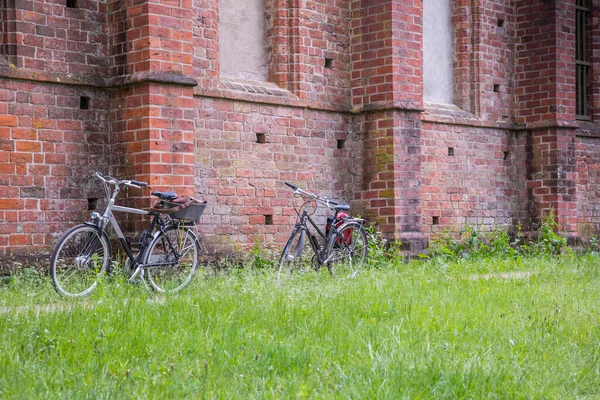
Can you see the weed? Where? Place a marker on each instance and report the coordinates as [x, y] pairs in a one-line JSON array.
[[548, 241], [381, 251], [472, 244]]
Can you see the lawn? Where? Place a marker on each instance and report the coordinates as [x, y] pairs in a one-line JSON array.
[[489, 328]]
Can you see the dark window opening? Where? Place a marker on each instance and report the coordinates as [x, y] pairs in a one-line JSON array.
[[506, 155], [435, 220], [582, 63], [329, 63], [261, 138], [500, 22], [496, 87], [341, 144], [72, 3], [450, 151], [84, 103], [268, 219]]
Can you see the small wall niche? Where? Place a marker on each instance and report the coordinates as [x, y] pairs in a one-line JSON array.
[[84, 103], [268, 219], [92, 203]]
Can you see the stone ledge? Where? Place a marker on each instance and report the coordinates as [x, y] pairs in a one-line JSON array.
[[261, 92], [152, 77], [11, 72], [392, 105], [256, 87], [451, 114], [588, 129]]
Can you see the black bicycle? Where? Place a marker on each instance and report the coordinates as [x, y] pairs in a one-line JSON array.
[[166, 256], [342, 246]]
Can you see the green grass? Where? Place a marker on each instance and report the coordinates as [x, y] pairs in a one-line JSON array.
[[420, 330]]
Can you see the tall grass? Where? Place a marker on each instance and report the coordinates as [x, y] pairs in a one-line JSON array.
[[435, 329]]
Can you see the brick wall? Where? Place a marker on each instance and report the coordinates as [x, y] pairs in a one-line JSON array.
[[243, 177], [50, 147], [50, 37], [474, 177], [484, 67]]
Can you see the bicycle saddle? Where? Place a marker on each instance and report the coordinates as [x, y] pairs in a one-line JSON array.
[[341, 207], [165, 195]]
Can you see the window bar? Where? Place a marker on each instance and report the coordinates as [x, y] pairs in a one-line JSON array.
[[582, 66]]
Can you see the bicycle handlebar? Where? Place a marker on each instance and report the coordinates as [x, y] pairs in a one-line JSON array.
[[139, 183], [292, 186], [322, 200], [114, 181]]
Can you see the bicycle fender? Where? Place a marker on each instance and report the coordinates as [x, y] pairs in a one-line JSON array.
[[192, 231]]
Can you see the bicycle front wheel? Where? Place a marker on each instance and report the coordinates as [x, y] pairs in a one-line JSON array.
[[296, 256], [347, 249], [79, 259], [171, 259]]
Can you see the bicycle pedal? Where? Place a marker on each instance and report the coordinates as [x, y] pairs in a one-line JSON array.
[[138, 271]]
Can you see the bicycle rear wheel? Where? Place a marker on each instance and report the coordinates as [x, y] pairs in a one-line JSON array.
[[297, 255], [171, 259], [80, 257], [347, 249]]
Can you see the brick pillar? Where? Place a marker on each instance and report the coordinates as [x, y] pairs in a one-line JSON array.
[[154, 104], [546, 107], [387, 96]]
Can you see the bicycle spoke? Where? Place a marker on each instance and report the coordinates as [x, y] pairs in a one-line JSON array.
[[168, 269], [79, 260]]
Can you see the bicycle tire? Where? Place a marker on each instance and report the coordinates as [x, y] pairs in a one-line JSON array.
[[164, 271], [80, 258], [294, 257], [347, 249]]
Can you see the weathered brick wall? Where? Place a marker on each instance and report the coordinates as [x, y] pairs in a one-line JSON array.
[[53, 38], [243, 179], [588, 182], [472, 177], [50, 147], [485, 58]]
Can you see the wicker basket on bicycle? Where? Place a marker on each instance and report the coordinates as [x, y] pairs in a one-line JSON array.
[[183, 208]]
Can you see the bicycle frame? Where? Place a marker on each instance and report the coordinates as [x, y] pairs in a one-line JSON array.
[[101, 221], [314, 242], [303, 217]]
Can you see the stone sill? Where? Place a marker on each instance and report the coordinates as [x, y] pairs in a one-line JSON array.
[[261, 92], [588, 129], [450, 114]]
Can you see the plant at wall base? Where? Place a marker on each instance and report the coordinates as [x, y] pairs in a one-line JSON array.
[[444, 247], [381, 250], [259, 258], [472, 244], [548, 242]]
